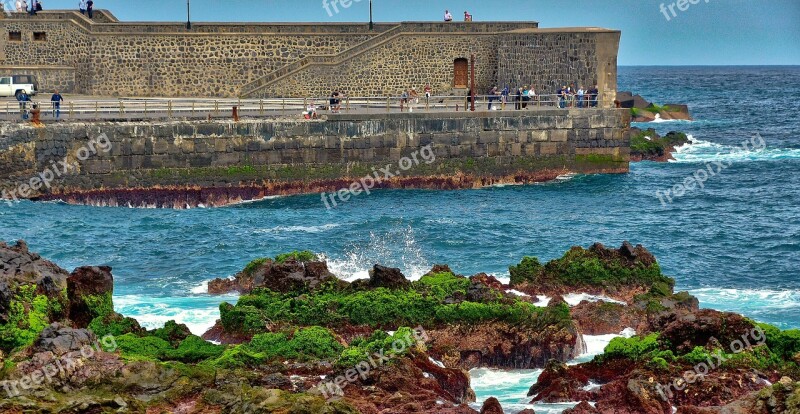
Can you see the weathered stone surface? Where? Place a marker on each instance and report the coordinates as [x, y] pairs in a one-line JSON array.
[[252, 167], [257, 59], [18, 266], [290, 276], [491, 406], [387, 277], [87, 287], [60, 339]]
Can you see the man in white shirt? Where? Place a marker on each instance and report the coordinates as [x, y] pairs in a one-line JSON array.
[[447, 16], [82, 6], [19, 6]]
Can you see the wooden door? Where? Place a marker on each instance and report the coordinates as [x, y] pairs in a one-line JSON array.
[[461, 73]]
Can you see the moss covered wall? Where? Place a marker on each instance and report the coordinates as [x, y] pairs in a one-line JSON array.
[[309, 156]]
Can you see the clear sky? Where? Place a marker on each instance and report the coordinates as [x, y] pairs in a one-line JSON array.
[[711, 32]]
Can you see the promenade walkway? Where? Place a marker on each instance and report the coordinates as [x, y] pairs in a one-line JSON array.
[[89, 108]]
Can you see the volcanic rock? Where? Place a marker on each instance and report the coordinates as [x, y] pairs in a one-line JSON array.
[[60, 339], [491, 406], [697, 329], [85, 285], [289, 276], [387, 277]]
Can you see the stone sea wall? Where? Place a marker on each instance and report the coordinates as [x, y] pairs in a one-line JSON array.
[[183, 163]]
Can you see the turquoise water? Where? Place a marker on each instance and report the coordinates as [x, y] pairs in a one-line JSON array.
[[734, 243]]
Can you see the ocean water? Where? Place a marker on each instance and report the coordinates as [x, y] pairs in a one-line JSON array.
[[734, 243]]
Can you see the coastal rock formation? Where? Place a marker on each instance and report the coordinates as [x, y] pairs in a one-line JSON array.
[[284, 274], [20, 266], [302, 336], [491, 406], [89, 290], [60, 339], [617, 273], [644, 111], [647, 145]]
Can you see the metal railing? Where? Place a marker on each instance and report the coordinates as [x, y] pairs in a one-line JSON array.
[[177, 108]]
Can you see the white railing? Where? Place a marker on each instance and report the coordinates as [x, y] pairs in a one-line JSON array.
[[178, 108]]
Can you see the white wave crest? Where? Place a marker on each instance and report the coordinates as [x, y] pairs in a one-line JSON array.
[[700, 151], [299, 229], [751, 302], [397, 248], [199, 313], [573, 299]]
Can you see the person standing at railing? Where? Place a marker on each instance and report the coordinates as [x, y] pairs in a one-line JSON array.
[[504, 97], [580, 96], [56, 99], [525, 97], [336, 102], [593, 93], [414, 99], [518, 100], [82, 6], [447, 16], [492, 96], [561, 95]]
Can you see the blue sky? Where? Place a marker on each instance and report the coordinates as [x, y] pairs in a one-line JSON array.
[[711, 32]]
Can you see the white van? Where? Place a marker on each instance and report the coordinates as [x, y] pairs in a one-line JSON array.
[[14, 85]]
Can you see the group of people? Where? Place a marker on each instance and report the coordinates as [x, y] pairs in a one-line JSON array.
[[567, 96], [581, 98], [86, 7], [334, 105], [34, 113], [449, 17], [22, 6]]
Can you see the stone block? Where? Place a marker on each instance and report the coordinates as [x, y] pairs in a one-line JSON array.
[[559, 135], [548, 148]]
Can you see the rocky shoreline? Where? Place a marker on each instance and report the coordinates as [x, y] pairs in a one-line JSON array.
[[645, 111], [301, 340], [648, 145]]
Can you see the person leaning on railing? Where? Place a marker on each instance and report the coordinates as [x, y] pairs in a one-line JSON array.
[[593, 94]]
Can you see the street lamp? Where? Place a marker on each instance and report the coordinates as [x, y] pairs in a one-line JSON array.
[[188, 20], [371, 25]]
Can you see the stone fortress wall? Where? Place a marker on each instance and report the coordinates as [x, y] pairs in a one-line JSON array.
[[105, 57], [188, 163]]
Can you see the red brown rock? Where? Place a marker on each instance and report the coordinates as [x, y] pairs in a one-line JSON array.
[[491, 406], [83, 284]]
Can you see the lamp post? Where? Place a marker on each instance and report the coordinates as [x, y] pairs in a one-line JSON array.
[[371, 25], [188, 20]]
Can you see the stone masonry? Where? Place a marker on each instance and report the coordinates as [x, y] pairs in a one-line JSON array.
[[106, 57], [288, 156]]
